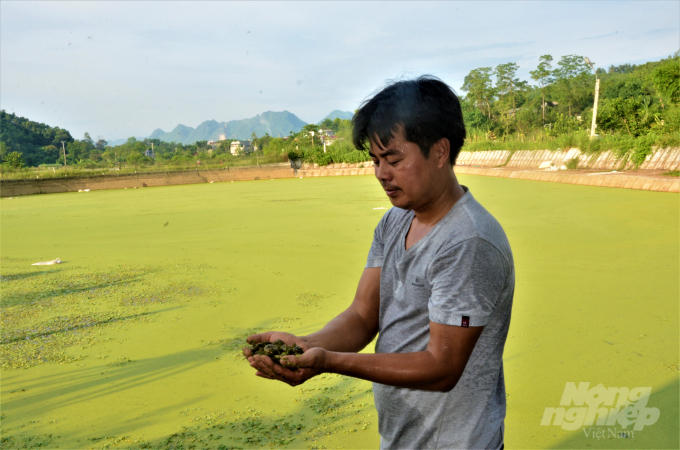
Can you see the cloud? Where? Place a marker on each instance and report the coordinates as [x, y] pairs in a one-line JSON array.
[[136, 66], [615, 33]]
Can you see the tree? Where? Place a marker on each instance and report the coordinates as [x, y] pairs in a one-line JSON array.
[[307, 131], [570, 67], [134, 157], [79, 149], [88, 138], [624, 68], [477, 84], [543, 75], [61, 135], [666, 78], [506, 83], [13, 160], [109, 155], [262, 142], [101, 144]]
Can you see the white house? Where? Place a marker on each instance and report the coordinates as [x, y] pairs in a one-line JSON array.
[[240, 147]]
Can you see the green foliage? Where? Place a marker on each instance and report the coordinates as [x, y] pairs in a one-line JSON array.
[[630, 148], [638, 104], [628, 115], [543, 75], [344, 151], [13, 160], [310, 148], [473, 117], [666, 78], [572, 164], [571, 77], [507, 86], [638, 107], [479, 89], [36, 142], [564, 124]]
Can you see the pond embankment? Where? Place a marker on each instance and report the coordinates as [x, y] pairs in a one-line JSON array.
[[604, 169], [12, 188]]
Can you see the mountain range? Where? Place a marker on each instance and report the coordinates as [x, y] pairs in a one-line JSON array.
[[275, 123], [344, 115]]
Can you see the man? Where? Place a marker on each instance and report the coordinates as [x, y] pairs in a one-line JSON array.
[[437, 287]]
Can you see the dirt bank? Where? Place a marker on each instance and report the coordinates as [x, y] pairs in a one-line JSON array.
[[13, 188]]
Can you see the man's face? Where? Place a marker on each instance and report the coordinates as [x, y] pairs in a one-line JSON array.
[[408, 178]]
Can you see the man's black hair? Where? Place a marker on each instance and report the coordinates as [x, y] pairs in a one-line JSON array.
[[426, 108]]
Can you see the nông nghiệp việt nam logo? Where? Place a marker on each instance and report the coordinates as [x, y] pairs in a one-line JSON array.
[[585, 406]]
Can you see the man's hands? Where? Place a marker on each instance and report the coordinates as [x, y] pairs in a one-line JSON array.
[[350, 331], [293, 370], [271, 336]]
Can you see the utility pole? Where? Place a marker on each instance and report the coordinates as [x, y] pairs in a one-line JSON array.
[[64, 148], [597, 96]]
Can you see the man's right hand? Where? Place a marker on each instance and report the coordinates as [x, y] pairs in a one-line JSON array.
[[271, 336]]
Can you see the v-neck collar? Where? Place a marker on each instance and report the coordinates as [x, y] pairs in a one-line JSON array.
[[411, 216]]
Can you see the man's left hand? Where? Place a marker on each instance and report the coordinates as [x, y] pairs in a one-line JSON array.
[[293, 370]]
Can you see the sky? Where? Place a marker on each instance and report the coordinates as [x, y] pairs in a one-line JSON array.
[[120, 69]]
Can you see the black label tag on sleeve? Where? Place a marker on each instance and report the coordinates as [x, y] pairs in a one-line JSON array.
[[465, 323]]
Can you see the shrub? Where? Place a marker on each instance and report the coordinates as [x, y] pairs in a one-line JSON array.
[[572, 164], [13, 160]]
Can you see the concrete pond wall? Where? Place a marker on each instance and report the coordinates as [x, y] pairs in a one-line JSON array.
[[660, 159], [522, 160]]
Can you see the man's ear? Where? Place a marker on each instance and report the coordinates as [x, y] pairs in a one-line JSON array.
[[442, 149]]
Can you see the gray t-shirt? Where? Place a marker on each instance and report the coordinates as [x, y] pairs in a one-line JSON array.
[[461, 273]]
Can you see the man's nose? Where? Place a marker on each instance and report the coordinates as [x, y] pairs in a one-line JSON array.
[[382, 172]]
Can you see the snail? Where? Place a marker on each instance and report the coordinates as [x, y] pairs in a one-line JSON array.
[[275, 350]]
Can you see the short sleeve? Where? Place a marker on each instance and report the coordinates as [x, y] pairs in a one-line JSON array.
[[376, 254], [467, 280]]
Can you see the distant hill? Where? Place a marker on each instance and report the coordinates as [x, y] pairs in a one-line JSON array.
[[274, 123], [38, 143], [122, 141], [344, 115]]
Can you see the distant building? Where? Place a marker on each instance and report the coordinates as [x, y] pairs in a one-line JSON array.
[[328, 140], [241, 147], [247, 147], [149, 152], [328, 132]]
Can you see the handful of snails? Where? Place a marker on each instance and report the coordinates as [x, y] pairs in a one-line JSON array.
[[275, 350]]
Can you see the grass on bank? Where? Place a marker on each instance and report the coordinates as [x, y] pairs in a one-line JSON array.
[[75, 171], [629, 148]]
